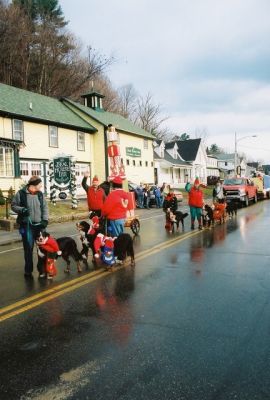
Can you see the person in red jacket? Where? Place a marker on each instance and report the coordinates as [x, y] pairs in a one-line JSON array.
[[95, 194], [115, 207], [195, 201]]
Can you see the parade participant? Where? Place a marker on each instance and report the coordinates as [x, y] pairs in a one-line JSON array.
[[95, 194], [170, 201], [195, 201], [30, 205], [218, 193], [115, 207]]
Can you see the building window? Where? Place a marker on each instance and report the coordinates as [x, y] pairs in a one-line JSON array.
[[140, 163], [145, 144], [81, 141], [127, 161], [36, 169], [134, 163], [53, 136], [17, 129], [6, 161], [226, 164], [152, 164], [146, 163], [24, 168]]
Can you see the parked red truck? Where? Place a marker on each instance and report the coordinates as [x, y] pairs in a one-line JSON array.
[[241, 190]]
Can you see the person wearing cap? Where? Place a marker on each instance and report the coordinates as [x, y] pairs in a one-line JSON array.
[[95, 194], [115, 207], [195, 201], [30, 205]]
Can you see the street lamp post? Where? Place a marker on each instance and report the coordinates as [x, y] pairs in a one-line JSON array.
[[235, 148]]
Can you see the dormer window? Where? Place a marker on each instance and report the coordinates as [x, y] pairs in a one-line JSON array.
[[162, 152], [175, 153]]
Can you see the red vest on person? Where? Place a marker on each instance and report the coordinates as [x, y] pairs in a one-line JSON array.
[[95, 198], [195, 197]]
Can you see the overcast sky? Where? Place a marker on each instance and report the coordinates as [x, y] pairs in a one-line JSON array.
[[207, 62]]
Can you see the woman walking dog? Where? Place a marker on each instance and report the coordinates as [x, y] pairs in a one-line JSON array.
[[30, 205]]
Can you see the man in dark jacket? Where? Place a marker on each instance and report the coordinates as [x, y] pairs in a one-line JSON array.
[[30, 205]]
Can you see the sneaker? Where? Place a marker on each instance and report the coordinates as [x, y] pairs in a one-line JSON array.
[[192, 227], [49, 277], [200, 227], [43, 275]]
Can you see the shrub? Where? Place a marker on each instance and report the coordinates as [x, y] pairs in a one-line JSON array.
[[11, 193], [2, 200]]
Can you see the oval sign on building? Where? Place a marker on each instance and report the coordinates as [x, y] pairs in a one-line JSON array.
[[62, 195]]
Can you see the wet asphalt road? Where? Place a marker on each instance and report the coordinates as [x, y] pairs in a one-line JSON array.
[[191, 321]]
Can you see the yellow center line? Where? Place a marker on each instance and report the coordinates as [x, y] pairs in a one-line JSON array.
[[50, 294]]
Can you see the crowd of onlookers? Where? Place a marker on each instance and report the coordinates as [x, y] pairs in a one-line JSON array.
[[147, 195]]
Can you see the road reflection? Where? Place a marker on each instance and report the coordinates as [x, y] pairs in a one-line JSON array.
[[114, 308]]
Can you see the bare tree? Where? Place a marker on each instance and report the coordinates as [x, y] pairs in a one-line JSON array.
[[201, 133], [127, 101], [148, 115]]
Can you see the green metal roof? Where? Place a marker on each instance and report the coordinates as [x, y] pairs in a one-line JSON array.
[[18, 102], [106, 118]]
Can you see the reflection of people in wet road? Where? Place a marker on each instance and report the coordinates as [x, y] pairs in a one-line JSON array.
[[112, 302], [195, 201]]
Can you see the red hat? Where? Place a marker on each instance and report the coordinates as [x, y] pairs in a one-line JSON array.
[[95, 179], [118, 180], [196, 182]]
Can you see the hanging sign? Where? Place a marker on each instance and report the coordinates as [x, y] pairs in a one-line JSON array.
[[133, 152], [61, 168]]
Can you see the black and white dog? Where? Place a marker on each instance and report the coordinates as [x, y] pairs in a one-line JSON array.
[[123, 246], [231, 209], [68, 247], [207, 216], [173, 219]]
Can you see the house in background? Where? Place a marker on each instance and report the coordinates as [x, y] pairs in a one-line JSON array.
[[225, 165], [169, 166], [180, 161], [212, 166]]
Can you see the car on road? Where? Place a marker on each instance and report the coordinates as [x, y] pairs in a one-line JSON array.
[[241, 190]]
